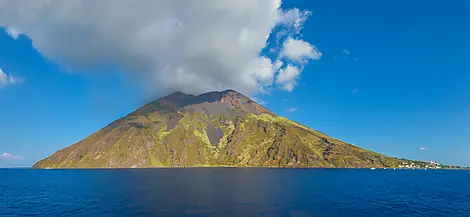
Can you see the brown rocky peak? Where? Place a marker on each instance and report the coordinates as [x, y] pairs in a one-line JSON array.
[[177, 96], [233, 98], [214, 103]]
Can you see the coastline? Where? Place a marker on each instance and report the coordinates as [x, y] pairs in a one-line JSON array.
[[232, 167]]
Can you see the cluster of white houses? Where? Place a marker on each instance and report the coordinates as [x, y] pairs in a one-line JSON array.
[[428, 165]]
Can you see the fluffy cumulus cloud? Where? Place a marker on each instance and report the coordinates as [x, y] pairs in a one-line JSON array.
[[12, 32], [10, 156], [288, 76], [263, 70], [299, 51], [6, 79], [294, 20], [179, 45]]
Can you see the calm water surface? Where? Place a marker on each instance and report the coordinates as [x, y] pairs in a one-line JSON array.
[[234, 192]]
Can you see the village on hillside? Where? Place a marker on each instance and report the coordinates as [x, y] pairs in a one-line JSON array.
[[414, 164]]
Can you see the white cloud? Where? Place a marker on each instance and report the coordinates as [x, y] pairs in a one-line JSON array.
[[346, 51], [292, 109], [287, 77], [6, 79], [6, 155], [10, 156], [424, 149], [263, 70], [299, 51], [294, 20], [18, 157], [13, 32], [179, 45]]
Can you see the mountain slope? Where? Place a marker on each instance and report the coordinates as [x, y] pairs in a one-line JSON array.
[[212, 129]]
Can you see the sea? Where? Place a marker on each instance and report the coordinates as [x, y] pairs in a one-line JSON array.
[[234, 192]]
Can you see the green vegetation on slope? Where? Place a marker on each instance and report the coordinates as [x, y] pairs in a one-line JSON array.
[[143, 140]]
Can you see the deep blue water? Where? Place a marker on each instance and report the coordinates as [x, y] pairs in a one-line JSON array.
[[234, 192]]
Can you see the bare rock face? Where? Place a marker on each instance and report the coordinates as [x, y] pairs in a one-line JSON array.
[[212, 129], [233, 99]]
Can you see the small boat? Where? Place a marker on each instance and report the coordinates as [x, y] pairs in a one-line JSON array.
[[373, 168]]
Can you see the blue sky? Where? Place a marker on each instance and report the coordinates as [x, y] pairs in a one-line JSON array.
[[393, 77]]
